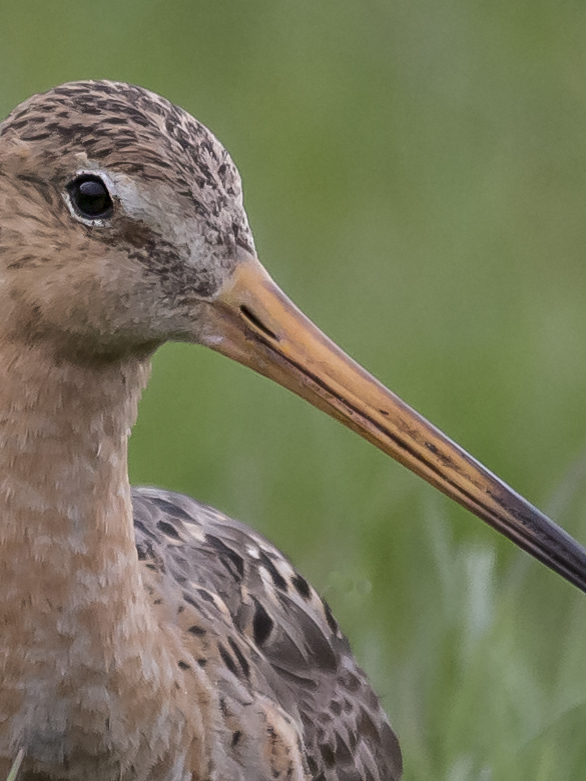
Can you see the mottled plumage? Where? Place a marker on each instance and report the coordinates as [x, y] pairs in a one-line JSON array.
[[277, 635], [142, 135]]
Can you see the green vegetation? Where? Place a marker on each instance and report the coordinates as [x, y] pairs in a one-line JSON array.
[[13, 773], [415, 175]]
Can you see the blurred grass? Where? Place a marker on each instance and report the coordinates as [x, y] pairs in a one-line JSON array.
[[415, 174]]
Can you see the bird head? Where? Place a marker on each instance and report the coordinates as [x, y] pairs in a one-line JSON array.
[[122, 226], [121, 215]]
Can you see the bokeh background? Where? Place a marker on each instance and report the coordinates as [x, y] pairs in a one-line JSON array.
[[415, 175]]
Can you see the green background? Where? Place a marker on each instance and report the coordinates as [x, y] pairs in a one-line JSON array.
[[415, 176]]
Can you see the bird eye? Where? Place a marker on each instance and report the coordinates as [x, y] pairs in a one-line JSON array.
[[90, 197]]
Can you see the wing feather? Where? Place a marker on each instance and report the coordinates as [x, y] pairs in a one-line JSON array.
[[276, 640]]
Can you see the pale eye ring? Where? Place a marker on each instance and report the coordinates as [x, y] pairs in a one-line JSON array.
[[90, 197]]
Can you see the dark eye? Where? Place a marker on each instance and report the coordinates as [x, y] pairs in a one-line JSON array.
[[90, 197]]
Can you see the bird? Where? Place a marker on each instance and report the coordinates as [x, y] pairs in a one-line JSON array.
[[145, 636]]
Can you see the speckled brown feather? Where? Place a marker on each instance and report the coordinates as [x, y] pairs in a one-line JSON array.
[[142, 636], [146, 137], [281, 636]]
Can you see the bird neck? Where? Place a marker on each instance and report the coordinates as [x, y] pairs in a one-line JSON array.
[[66, 536], [82, 651]]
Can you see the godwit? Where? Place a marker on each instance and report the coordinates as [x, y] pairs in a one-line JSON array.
[[143, 635]]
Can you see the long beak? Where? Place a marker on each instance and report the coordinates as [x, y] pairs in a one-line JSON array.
[[253, 322]]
